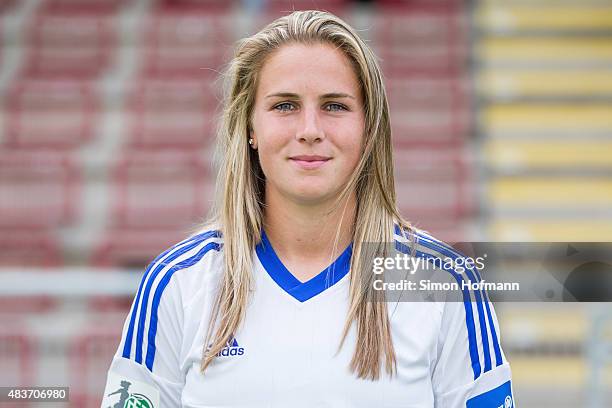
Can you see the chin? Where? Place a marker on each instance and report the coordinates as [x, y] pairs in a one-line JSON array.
[[312, 195]]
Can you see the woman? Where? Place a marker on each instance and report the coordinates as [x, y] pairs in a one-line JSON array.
[[260, 310]]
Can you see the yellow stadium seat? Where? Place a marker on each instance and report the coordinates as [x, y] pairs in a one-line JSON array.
[[548, 324], [558, 371], [529, 119], [505, 153], [547, 230], [551, 192], [511, 83], [523, 17], [534, 50]]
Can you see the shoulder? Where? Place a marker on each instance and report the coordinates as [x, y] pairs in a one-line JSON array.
[[468, 317], [169, 283], [443, 256], [187, 265], [422, 243]]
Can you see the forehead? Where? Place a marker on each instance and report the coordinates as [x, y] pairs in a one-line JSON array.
[[308, 67]]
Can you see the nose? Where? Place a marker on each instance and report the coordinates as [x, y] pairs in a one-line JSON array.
[[310, 129]]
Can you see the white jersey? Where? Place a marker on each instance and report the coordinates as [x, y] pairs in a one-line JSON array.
[[286, 353]]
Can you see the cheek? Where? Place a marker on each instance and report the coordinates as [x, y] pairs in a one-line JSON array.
[[352, 145], [271, 145], [271, 142]]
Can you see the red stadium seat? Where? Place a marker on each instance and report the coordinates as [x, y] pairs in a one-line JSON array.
[[57, 114], [69, 44], [209, 6], [37, 189], [18, 356], [176, 114], [29, 248], [434, 186], [429, 111], [399, 4], [160, 189], [421, 40], [26, 248], [6, 5], [87, 6], [186, 44], [90, 355], [283, 7]]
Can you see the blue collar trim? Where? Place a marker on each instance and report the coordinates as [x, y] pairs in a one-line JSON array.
[[301, 291]]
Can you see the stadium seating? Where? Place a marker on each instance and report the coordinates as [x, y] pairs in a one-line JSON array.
[[88, 6], [514, 83], [543, 89], [29, 248], [421, 39], [506, 17], [536, 51], [529, 327], [90, 353], [18, 355], [50, 114], [172, 114], [160, 189], [185, 43], [278, 7], [158, 199], [576, 154], [547, 120], [550, 229], [37, 189], [24, 249], [7, 5], [69, 44], [209, 6], [434, 185], [429, 111], [544, 193]]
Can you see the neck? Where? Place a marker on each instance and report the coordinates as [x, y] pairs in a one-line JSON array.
[[303, 235]]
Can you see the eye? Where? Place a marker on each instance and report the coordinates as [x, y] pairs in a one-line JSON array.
[[284, 107], [334, 107]]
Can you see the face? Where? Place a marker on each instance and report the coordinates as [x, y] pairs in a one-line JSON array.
[[308, 122]]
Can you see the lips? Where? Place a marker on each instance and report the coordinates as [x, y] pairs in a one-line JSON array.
[[309, 158], [309, 162]]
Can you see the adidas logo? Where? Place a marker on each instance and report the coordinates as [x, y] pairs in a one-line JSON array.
[[231, 349]]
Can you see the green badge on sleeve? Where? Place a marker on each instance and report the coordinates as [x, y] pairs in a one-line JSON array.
[[122, 392]]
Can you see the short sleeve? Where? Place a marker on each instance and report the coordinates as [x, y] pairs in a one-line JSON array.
[[471, 370], [147, 362]]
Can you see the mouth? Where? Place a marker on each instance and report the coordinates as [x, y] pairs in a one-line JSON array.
[[309, 161]]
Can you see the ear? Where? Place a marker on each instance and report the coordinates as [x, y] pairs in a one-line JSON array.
[[252, 140]]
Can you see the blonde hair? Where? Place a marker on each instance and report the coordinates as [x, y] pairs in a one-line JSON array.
[[238, 210]]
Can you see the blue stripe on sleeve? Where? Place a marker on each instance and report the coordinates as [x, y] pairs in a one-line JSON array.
[[496, 347], [467, 303], [150, 357], [127, 345], [166, 256], [495, 340], [149, 285], [479, 302]]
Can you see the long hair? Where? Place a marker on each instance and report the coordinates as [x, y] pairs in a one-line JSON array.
[[238, 210]]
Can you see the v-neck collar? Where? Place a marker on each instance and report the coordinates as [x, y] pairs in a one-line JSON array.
[[302, 291]]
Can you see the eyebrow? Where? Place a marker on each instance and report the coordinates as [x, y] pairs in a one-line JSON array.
[[296, 96]]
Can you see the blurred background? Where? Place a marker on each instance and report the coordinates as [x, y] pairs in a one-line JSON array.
[[502, 124]]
